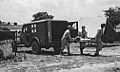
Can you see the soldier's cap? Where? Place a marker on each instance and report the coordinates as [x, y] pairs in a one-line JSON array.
[[83, 26]]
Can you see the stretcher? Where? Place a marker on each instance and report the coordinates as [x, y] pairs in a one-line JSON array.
[[88, 41]]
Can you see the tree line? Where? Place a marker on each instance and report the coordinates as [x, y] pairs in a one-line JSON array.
[[8, 23]]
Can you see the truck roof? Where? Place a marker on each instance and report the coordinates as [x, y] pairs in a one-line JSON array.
[[44, 20]]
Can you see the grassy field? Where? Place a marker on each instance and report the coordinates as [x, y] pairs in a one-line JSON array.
[[46, 61]]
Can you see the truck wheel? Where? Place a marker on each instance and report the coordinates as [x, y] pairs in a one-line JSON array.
[[57, 50], [35, 47]]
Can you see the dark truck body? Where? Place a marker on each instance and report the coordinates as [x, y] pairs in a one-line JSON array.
[[6, 35], [47, 33]]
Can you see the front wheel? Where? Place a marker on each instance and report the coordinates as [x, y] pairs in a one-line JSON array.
[[57, 50], [35, 47]]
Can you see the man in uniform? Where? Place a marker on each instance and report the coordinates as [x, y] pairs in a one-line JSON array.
[[98, 39], [83, 35], [66, 40]]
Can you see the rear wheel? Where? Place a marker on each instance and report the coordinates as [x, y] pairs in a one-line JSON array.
[[57, 48], [35, 47]]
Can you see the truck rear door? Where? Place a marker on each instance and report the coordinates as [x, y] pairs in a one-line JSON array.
[[74, 32]]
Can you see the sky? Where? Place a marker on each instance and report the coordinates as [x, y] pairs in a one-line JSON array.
[[92, 24], [21, 11], [86, 12]]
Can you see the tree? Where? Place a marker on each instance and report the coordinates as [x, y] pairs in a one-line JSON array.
[[15, 23], [42, 15], [113, 15], [8, 23]]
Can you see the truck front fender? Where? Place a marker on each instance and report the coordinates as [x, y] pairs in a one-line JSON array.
[[37, 40]]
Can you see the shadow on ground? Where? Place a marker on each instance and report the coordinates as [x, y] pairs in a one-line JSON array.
[[88, 54], [41, 53], [64, 54], [103, 45]]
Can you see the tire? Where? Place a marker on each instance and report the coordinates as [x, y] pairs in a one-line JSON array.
[[36, 47], [57, 48]]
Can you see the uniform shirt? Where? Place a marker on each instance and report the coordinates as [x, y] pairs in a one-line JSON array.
[[67, 35], [99, 35], [83, 34]]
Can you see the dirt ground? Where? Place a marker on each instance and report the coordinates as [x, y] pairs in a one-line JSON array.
[[109, 61]]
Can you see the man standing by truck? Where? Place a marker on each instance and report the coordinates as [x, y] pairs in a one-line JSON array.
[[83, 35], [98, 39], [66, 40]]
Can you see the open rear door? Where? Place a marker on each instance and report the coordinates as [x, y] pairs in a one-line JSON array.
[[74, 32]]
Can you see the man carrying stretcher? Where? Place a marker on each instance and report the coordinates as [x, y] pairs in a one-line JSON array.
[[98, 39], [83, 36]]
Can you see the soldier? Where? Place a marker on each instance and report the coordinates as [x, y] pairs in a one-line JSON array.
[[83, 34], [66, 40], [98, 39]]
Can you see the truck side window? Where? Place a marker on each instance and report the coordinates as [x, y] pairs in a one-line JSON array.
[[33, 28], [25, 29]]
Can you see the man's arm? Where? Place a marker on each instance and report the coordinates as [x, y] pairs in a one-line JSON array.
[[86, 36], [69, 37], [98, 34]]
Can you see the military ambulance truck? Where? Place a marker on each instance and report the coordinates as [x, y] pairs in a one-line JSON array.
[[45, 34]]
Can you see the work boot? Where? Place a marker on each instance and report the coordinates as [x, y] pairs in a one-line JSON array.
[[97, 52]]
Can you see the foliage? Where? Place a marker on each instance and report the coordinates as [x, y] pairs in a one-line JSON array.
[[8, 23], [42, 15], [15, 23], [113, 15]]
